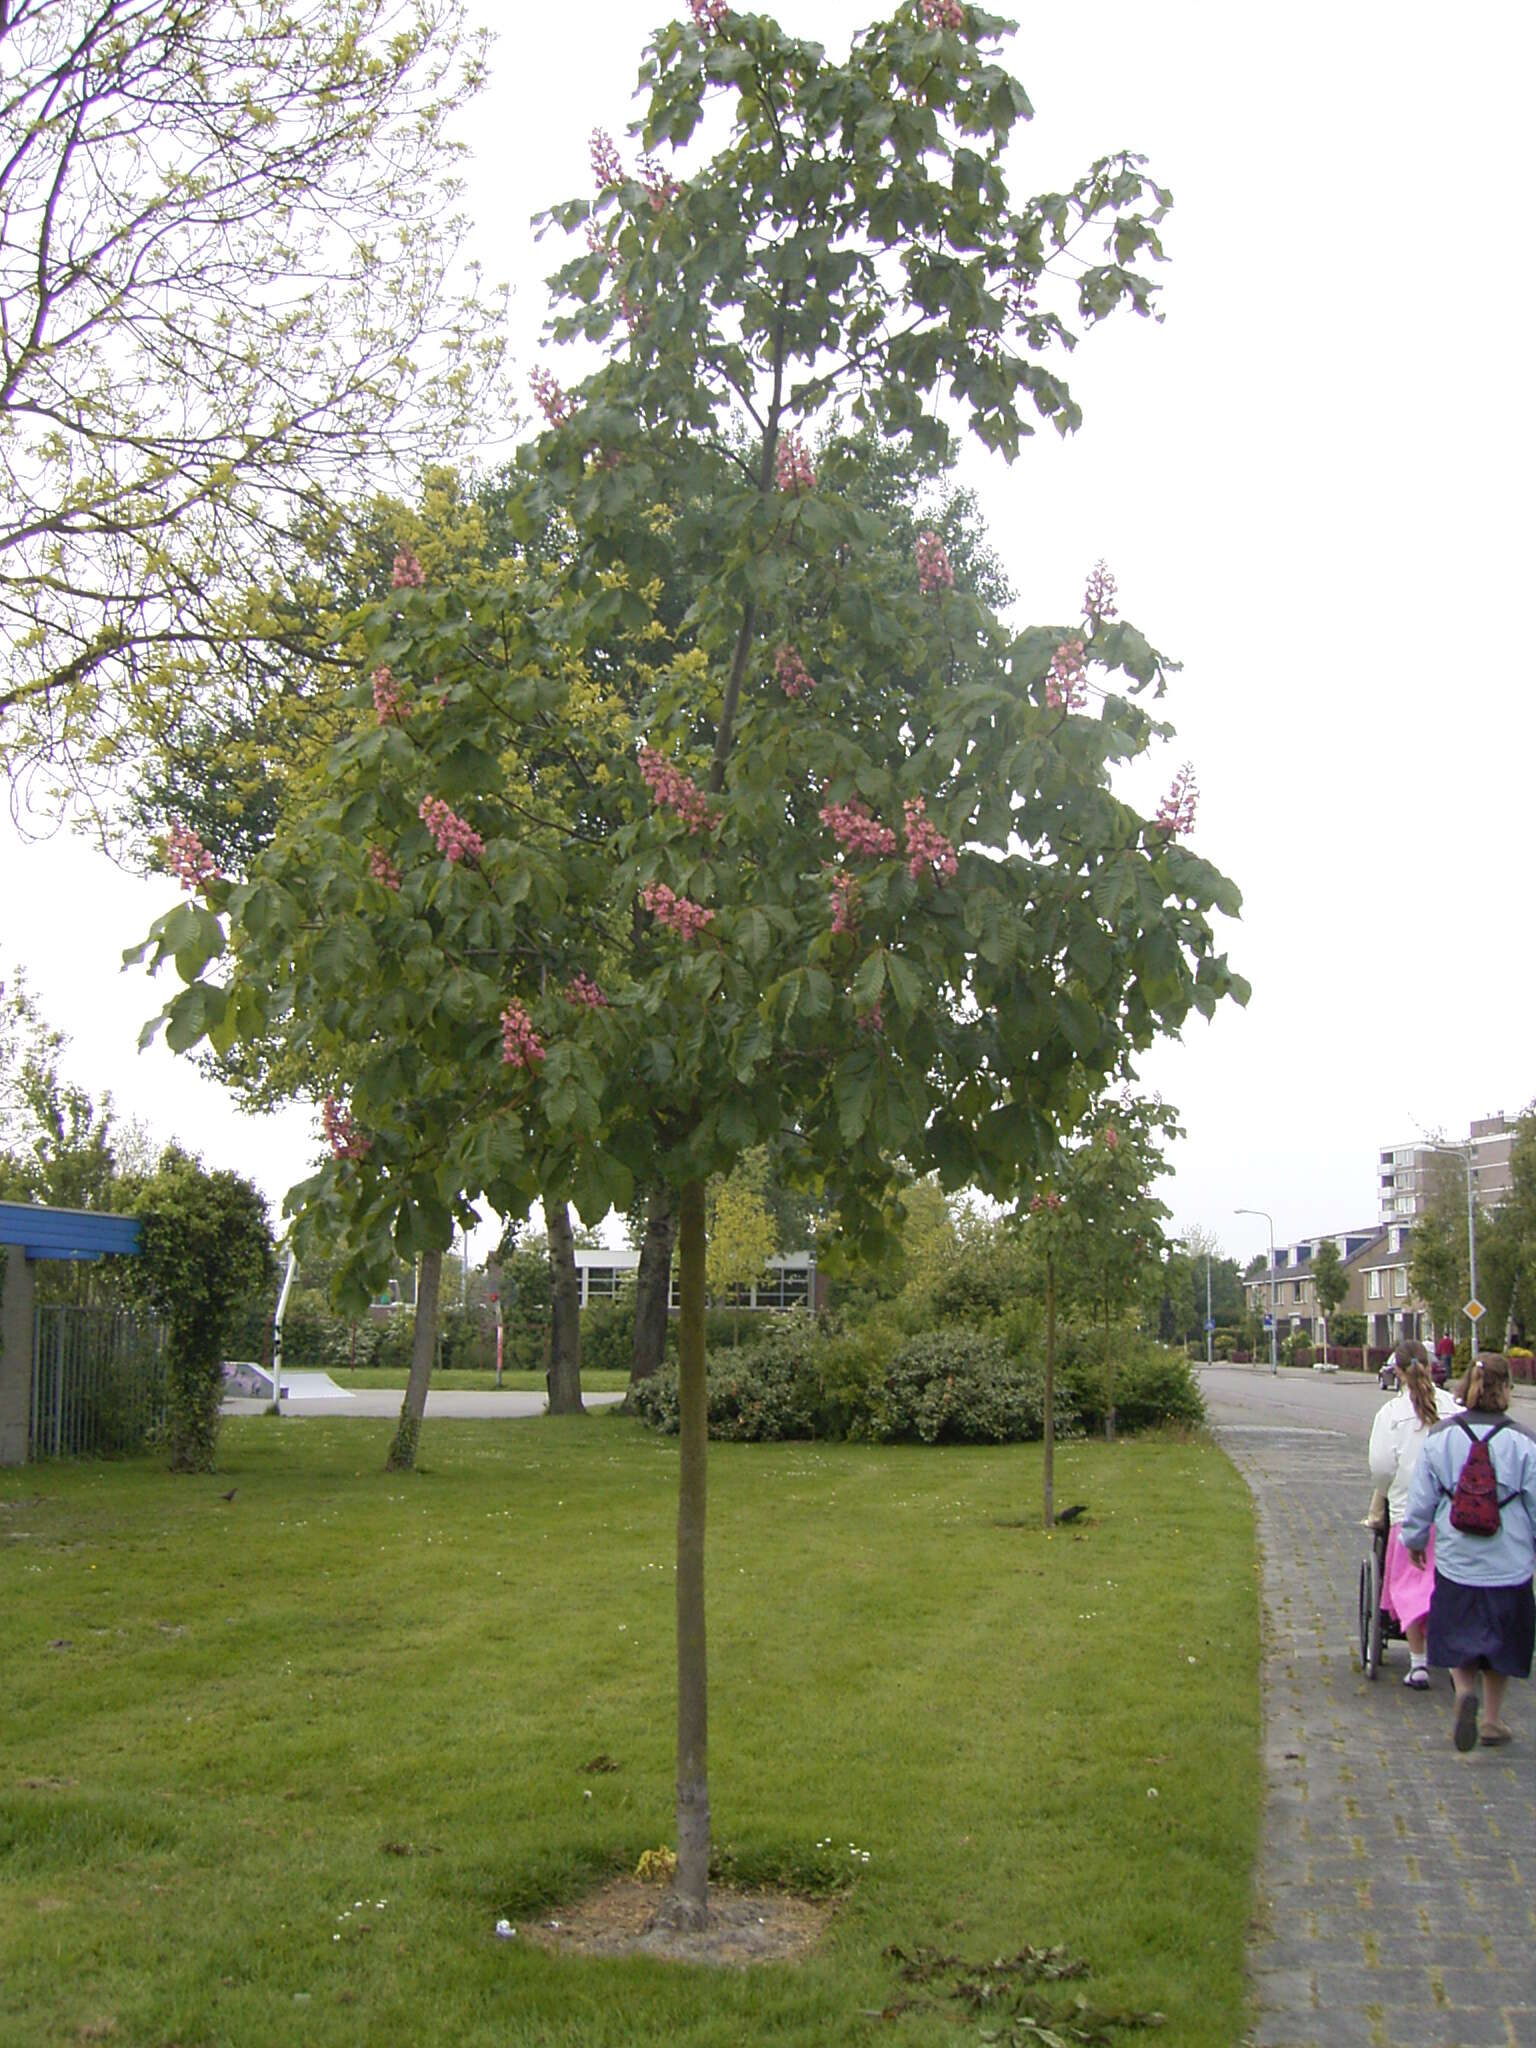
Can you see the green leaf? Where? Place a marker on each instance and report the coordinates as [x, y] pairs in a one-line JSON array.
[[869, 980]]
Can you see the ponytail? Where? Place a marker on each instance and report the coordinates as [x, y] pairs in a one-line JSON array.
[[1416, 1377]]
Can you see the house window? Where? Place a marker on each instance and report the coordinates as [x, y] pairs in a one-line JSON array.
[[1399, 1280], [1295, 1290], [1373, 1284]]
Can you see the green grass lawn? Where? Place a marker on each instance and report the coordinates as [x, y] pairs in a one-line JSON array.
[[273, 1768], [451, 1381]]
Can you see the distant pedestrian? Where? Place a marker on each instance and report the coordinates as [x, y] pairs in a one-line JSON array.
[[1482, 1613], [1398, 1436], [1445, 1357]]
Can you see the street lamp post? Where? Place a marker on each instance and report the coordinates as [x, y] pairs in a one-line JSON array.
[[1274, 1287]]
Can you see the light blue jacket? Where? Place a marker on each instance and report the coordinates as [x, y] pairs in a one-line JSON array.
[[1504, 1559]]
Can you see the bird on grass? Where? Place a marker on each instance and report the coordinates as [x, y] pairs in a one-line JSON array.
[[1071, 1514]]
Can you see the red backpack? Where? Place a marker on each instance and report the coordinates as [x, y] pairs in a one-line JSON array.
[[1475, 1503]]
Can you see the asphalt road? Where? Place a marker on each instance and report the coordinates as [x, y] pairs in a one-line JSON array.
[[383, 1405]]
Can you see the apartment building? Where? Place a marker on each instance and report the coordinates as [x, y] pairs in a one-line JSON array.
[[1406, 1172]]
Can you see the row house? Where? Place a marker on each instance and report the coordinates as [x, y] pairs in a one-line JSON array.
[[1375, 1263]]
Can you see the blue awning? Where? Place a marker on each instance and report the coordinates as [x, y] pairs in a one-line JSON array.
[[66, 1233]]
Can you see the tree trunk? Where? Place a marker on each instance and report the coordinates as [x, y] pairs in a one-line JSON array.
[[564, 1313], [1109, 1382], [1048, 1423], [653, 1285], [402, 1451], [687, 1904]]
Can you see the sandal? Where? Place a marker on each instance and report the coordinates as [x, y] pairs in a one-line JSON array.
[[1494, 1732], [1417, 1679], [1464, 1727]]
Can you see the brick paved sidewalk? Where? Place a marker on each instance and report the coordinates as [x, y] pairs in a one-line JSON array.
[[1397, 1880]]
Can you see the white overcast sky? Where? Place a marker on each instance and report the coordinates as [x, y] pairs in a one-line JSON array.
[[1313, 483]]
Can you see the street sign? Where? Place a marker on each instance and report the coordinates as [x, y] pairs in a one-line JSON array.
[[1269, 1322], [1474, 1310], [1210, 1322]]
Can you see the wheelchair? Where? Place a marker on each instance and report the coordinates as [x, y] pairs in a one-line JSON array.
[[1377, 1627]]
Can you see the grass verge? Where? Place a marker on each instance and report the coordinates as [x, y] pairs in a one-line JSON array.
[[275, 1766]]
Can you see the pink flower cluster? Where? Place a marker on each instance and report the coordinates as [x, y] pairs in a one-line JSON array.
[[795, 679], [382, 868], [1051, 1201], [520, 1043], [549, 397], [792, 467], [943, 14], [933, 571], [634, 316], [597, 242], [926, 845], [1066, 687], [407, 573], [1099, 597], [189, 860], [672, 790], [708, 13], [1176, 812], [872, 1019], [675, 912], [344, 1141], [659, 188], [1111, 1138], [584, 992], [455, 839], [855, 830], [389, 707], [607, 167], [844, 900]]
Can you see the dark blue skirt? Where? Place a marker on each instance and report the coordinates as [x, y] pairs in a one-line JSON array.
[[1491, 1627]]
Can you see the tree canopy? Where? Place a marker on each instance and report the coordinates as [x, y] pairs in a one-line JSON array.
[[227, 250]]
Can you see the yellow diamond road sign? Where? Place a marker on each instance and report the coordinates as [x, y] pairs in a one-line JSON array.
[[1474, 1310]]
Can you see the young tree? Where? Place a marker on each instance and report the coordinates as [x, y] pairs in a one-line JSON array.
[[873, 897], [1329, 1278], [226, 239], [741, 1237], [1105, 1233], [1439, 1270]]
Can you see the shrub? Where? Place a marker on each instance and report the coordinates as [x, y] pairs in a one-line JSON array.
[[757, 1394], [1299, 1348], [1153, 1385], [959, 1385], [608, 1334]]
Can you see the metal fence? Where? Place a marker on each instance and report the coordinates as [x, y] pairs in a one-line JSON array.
[[98, 1382]]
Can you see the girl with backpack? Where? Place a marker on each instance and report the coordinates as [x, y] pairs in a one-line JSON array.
[[1398, 1437], [1475, 1488]]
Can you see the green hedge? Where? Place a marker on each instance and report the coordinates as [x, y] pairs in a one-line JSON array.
[[949, 1385]]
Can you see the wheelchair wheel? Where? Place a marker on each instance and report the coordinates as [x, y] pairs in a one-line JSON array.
[[1370, 1615]]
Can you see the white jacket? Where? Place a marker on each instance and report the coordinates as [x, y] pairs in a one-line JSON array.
[[1397, 1441]]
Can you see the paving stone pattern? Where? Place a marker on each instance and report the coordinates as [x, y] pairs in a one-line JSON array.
[[1397, 1879]]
